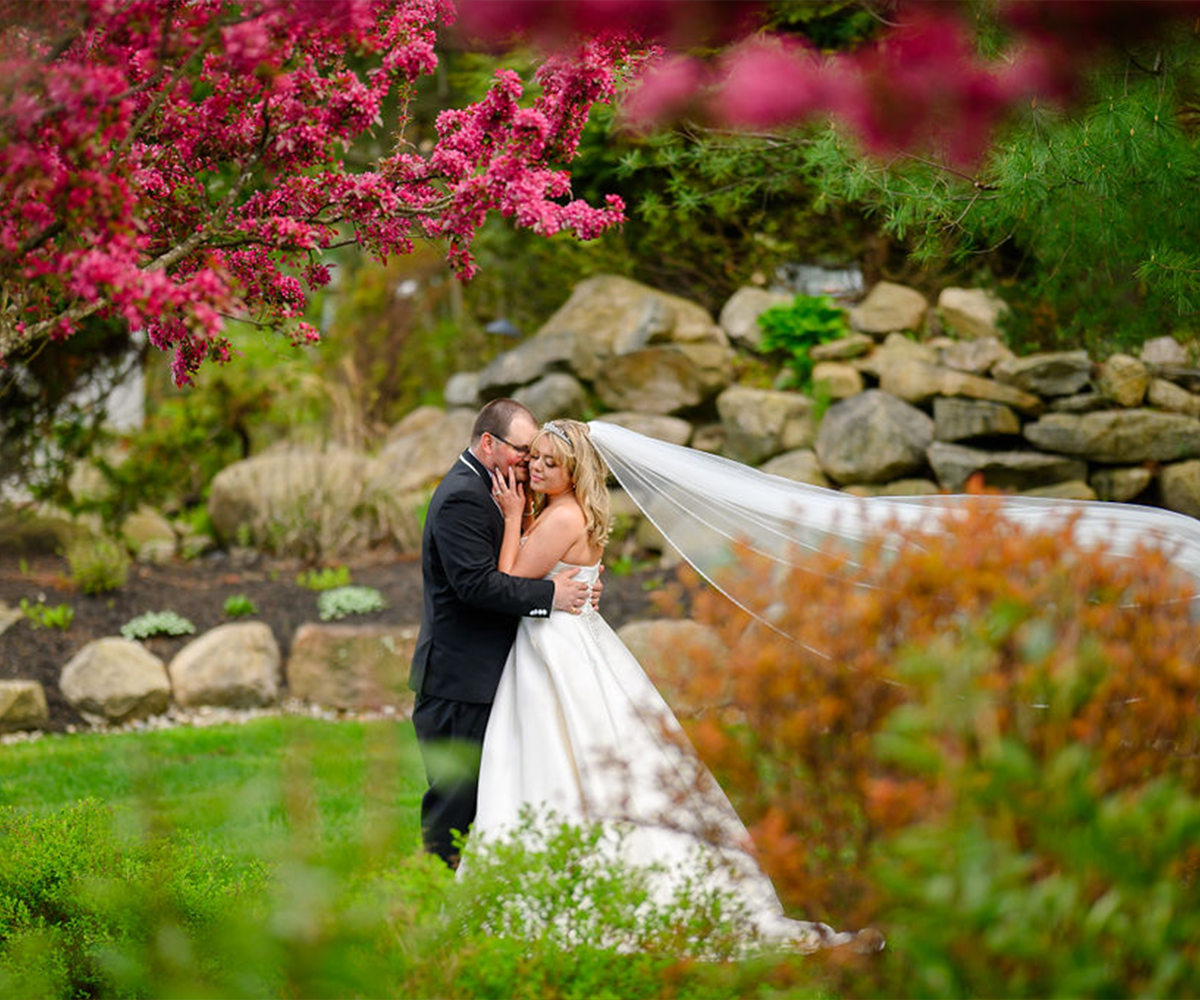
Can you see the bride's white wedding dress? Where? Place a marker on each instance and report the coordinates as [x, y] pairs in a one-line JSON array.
[[578, 729]]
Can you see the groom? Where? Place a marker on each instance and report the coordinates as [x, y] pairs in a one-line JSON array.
[[470, 617]]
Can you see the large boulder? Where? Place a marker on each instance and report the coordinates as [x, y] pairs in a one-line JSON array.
[[1120, 483], [609, 315], [149, 536], [1088, 401], [873, 437], [653, 425], [232, 666], [664, 379], [1169, 396], [896, 488], [759, 423], [462, 389], [22, 706], [299, 501], [800, 466], [353, 667], [1118, 436], [671, 651], [971, 312], [954, 464], [918, 382], [1180, 487], [889, 307], [962, 419], [527, 362], [418, 454], [896, 349], [117, 680], [1123, 379], [1164, 351], [739, 315], [552, 396], [975, 357], [837, 380], [1053, 373]]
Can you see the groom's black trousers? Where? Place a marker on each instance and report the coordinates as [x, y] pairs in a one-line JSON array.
[[450, 735]]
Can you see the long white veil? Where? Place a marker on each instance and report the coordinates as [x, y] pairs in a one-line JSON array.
[[706, 506]]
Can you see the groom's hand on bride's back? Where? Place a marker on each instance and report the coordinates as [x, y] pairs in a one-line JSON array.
[[569, 594]]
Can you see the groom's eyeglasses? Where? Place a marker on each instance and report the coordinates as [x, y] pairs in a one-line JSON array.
[[520, 449]]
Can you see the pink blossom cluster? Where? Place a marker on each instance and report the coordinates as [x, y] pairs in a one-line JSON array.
[[921, 86], [178, 164]]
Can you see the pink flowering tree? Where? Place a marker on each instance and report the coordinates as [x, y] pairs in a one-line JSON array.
[[177, 165]]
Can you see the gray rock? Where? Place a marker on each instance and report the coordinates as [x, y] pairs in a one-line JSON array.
[[975, 357], [710, 438], [954, 464], [1072, 489], [608, 315], [552, 396], [419, 454], [462, 389], [917, 382], [800, 466], [852, 346], [1083, 402], [872, 438], [1164, 351], [896, 488], [234, 666], [971, 312], [1173, 398], [739, 315], [664, 379], [1120, 483], [149, 536], [301, 502], [115, 679], [1118, 436], [525, 363], [889, 307], [840, 381], [654, 425], [22, 706], [1180, 486], [1054, 373], [963, 419], [1123, 379], [353, 667], [759, 423]]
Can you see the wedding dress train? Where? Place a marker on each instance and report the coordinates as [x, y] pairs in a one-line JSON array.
[[578, 729]]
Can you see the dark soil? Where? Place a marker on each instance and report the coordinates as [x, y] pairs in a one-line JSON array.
[[197, 590]]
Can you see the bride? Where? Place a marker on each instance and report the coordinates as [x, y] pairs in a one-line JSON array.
[[578, 729]]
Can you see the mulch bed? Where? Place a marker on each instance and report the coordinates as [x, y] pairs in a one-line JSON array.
[[198, 589]]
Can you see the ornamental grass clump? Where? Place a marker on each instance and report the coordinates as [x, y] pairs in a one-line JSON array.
[[985, 740], [343, 601], [98, 565]]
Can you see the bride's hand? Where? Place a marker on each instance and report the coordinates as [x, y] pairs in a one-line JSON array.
[[509, 494]]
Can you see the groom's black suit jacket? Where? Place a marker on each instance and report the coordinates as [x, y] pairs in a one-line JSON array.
[[471, 609]]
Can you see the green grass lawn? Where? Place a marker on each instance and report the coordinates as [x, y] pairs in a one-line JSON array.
[[242, 789]]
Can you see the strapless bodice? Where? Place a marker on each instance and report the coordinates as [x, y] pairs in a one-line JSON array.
[[588, 574]]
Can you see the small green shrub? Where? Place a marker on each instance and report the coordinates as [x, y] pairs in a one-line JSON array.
[[239, 606], [41, 615], [796, 329], [98, 565], [343, 601], [326, 578], [157, 623]]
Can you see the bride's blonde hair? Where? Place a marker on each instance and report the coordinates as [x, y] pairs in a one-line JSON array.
[[571, 446]]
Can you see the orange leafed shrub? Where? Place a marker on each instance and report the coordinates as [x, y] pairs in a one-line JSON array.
[[1003, 632]]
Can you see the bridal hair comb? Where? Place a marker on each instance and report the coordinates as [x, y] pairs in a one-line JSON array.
[[553, 428]]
